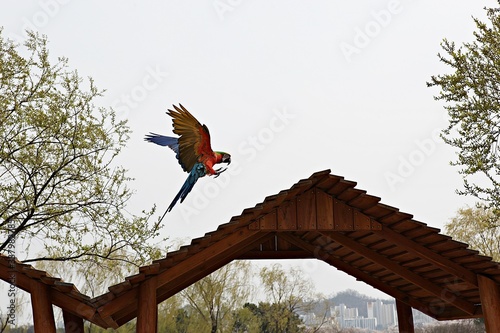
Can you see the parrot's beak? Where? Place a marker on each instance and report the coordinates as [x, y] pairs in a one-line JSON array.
[[226, 159]]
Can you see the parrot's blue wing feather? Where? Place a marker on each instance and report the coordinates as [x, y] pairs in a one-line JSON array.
[[197, 172], [167, 141], [162, 140]]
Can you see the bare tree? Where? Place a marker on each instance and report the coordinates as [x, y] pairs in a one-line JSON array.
[[215, 297], [60, 185], [458, 326], [289, 293]]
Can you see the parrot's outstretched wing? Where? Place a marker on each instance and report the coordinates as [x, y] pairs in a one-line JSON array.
[[197, 172], [194, 138]]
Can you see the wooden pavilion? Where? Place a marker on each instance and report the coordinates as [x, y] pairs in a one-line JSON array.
[[323, 217]]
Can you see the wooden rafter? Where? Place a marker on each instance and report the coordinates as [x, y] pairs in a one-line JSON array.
[[321, 253], [439, 260], [438, 291]]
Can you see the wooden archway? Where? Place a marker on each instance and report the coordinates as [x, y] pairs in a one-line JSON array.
[[323, 217]]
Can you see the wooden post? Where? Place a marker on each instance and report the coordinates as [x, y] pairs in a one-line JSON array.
[[72, 323], [405, 317], [43, 315], [489, 292], [147, 321]]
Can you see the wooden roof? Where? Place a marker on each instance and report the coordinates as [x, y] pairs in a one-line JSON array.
[[323, 217]]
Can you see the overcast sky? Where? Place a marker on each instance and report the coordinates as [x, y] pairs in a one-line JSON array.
[[288, 88]]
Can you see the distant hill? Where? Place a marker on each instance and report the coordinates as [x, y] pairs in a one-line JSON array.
[[353, 299]]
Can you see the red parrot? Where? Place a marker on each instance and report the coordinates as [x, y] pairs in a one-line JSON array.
[[192, 149]]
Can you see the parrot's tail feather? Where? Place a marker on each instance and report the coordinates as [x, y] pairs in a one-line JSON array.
[[198, 171], [172, 204], [163, 216]]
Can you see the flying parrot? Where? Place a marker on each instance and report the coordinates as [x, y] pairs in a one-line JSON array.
[[192, 149]]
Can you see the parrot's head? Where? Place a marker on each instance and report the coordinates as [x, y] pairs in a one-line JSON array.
[[225, 157]]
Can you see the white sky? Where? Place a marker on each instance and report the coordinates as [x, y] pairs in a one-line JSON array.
[[287, 87]]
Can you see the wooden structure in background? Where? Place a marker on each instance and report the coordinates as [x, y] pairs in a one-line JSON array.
[[323, 217]]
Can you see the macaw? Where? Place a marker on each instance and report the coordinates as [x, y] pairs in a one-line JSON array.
[[192, 150]]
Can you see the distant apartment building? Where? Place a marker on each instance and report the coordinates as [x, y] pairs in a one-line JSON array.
[[348, 317], [380, 316], [384, 312]]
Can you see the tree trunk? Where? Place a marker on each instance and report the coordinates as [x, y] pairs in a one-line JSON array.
[[214, 323]]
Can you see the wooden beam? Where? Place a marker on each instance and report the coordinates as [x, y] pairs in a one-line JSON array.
[[198, 271], [312, 210], [489, 292], [167, 291], [306, 210], [226, 246], [22, 281], [405, 317], [287, 215], [280, 254], [452, 313], [113, 306], [75, 306], [188, 270], [193, 275], [43, 315], [147, 315], [423, 252], [57, 298], [324, 210], [72, 323], [394, 267]]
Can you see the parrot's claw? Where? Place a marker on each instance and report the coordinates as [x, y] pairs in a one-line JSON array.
[[219, 171]]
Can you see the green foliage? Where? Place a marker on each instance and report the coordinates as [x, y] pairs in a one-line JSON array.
[[288, 293], [290, 287], [472, 96], [477, 227], [212, 300], [129, 327], [58, 180], [247, 319], [181, 322], [172, 317], [277, 318]]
